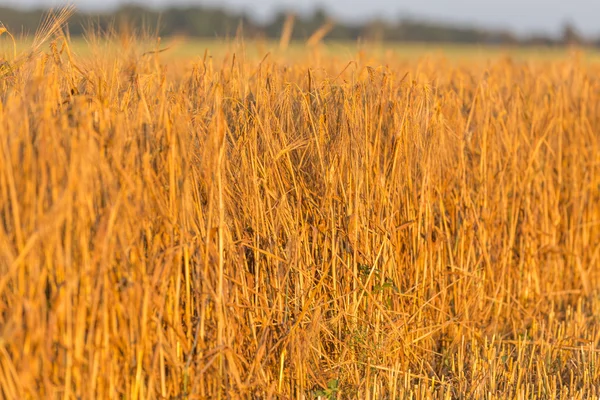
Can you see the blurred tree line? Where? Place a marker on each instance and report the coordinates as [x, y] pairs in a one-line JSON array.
[[216, 22]]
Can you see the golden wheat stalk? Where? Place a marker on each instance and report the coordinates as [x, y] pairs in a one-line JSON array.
[[51, 24], [286, 32], [320, 33], [3, 30]]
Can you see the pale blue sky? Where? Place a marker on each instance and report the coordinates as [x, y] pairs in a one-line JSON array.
[[522, 16]]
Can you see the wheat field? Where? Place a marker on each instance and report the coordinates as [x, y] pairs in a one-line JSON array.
[[297, 227]]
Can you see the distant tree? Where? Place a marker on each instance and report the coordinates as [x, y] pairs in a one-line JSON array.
[[570, 36], [376, 30]]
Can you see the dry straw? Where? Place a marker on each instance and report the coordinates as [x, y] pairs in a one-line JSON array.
[[297, 226]]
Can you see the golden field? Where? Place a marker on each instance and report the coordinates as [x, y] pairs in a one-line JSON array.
[[276, 225]]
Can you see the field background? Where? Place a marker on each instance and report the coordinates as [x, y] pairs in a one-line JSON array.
[[338, 221], [183, 48]]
